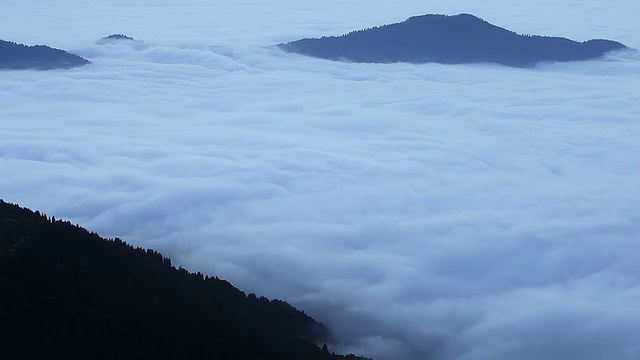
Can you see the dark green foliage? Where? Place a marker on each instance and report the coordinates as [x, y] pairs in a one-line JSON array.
[[40, 57], [67, 293], [444, 39]]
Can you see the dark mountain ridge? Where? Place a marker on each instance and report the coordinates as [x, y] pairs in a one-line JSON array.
[[118, 37], [457, 39], [115, 39], [39, 57], [68, 293]]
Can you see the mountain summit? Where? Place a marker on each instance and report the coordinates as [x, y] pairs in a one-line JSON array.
[[39, 57], [115, 38], [456, 39]]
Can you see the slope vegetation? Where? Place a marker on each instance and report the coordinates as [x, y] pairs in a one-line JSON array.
[[68, 293]]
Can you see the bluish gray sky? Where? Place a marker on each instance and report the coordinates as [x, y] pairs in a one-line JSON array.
[[421, 211]]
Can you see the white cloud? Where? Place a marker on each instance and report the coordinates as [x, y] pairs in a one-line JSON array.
[[456, 212]]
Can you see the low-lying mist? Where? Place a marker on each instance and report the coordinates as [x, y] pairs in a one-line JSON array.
[[420, 211]]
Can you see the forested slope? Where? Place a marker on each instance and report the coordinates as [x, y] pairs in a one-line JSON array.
[[68, 293]]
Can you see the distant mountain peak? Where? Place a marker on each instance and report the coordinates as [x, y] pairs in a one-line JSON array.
[[448, 39], [118, 37], [115, 38], [38, 57]]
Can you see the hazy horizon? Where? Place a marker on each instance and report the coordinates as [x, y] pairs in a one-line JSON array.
[[420, 211]]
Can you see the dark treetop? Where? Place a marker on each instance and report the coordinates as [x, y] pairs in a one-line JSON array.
[[115, 38], [118, 37], [445, 39], [40, 57], [67, 293]]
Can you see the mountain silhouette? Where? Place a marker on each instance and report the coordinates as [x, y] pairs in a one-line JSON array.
[[67, 293], [115, 38], [456, 39], [118, 37], [39, 57]]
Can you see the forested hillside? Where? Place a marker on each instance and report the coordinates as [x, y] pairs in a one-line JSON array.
[[68, 293], [39, 57]]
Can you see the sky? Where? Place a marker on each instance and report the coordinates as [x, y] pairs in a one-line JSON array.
[[428, 211]]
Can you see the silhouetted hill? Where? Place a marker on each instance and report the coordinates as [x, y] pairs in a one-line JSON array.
[[40, 57], [445, 39], [118, 37], [115, 38], [67, 293]]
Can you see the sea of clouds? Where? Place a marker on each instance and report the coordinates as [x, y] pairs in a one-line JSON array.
[[420, 211]]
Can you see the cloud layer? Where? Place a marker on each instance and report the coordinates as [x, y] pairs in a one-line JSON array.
[[431, 211]]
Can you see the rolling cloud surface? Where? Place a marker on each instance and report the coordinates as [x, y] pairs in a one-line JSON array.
[[420, 211]]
